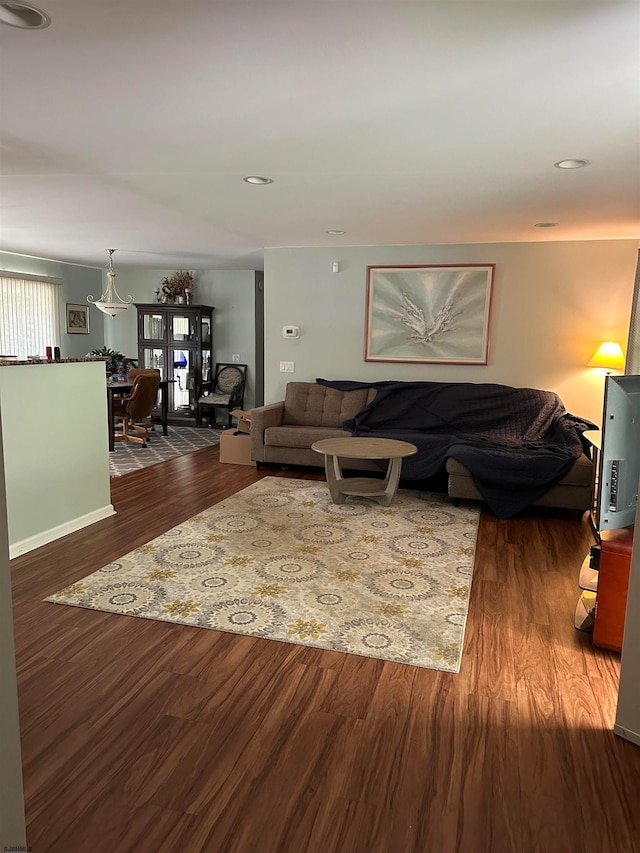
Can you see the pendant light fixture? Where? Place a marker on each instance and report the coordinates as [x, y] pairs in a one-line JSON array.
[[111, 302]]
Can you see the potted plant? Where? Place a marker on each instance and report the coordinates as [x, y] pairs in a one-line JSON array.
[[178, 288], [115, 361]]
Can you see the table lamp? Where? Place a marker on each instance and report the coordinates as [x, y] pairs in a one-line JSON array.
[[609, 355]]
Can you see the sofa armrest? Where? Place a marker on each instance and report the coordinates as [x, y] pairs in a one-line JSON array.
[[262, 418]]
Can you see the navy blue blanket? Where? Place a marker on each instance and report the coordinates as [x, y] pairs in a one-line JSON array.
[[516, 442]]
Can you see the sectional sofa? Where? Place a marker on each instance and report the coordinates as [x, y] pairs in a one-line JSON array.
[[507, 446]]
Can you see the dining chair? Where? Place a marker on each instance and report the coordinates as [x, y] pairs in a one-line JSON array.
[[133, 408], [131, 375], [224, 391], [138, 371]]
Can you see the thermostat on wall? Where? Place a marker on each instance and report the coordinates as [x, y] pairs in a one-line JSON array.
[[290, 331]]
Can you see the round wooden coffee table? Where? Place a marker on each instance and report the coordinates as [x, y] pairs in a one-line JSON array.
[[381, 490]]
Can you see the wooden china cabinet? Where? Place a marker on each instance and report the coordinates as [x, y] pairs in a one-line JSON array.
[[178, 341]]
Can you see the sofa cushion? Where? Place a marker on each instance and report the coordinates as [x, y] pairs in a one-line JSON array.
[[310, 404], [580, 475], [300, 436]]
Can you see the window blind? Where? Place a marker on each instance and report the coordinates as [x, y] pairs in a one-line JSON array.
[[29, 314]]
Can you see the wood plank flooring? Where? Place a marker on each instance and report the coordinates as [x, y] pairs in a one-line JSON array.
[[158, 738]]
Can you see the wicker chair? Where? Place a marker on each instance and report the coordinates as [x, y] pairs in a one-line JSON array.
[[224, 391]]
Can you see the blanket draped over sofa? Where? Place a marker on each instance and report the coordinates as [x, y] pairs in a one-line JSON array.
[[516, 442]]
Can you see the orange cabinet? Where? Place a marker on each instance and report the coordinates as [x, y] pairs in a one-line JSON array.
[[613, 582]]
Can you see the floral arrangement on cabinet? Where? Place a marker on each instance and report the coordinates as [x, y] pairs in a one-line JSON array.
[[177, 288]]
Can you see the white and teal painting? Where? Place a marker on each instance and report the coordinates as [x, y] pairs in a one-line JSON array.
[[429, 314]]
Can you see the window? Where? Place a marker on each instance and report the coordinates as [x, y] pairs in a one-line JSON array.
[[29, 314]]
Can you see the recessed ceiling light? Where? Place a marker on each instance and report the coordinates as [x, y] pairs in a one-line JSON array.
[[571, 164], [335, 232], [256, 179], [24, 16], [546, 224]]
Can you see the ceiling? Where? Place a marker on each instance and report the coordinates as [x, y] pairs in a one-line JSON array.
[[130, 125]]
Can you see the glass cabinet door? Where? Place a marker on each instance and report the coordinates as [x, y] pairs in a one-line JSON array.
[[205, 332], [154, 358], [183, 386], [153, 327], [183, 327], [206, 365]]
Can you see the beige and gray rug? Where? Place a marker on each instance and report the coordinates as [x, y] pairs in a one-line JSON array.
[[279, 560], [127, 457]]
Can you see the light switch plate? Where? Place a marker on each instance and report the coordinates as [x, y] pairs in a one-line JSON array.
[[286, 367]]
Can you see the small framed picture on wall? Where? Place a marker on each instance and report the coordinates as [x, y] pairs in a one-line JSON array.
[[77, 319]]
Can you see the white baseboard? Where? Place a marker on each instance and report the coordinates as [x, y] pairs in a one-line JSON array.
[[46, 536], [634, 737]]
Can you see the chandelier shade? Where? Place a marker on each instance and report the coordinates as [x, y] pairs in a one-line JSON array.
[[110, 301]]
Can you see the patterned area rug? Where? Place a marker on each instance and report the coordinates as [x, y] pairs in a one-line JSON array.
[[279, 560], [181, 439]]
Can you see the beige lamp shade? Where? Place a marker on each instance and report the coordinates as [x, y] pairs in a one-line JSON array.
[[608, 355]]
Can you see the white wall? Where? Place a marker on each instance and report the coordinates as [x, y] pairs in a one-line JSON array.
[[77, 283], [54, 431], [233, 294], [553, 304], [12, 822]]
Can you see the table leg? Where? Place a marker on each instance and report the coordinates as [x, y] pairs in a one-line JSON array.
[[334, 478], [376, 489], [164, 409], [391, 481]]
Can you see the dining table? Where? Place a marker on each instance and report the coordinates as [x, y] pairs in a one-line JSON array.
[[117, 387]]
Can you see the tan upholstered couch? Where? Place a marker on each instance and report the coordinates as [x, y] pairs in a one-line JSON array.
[[574, 491], [283, 433]]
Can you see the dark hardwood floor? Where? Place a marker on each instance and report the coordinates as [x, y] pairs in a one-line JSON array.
[[158, 738]]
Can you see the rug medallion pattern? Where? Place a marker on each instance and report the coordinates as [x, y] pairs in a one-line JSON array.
[[279, 560]]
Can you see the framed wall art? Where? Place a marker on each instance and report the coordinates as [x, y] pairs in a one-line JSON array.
[[77, 319], [429, 314]]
